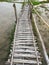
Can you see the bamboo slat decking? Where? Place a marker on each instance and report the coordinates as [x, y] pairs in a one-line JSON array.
[[25, 50]]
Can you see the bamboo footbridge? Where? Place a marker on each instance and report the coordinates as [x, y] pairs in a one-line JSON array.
[[25, 49]]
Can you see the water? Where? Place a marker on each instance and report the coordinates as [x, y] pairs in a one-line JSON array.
[[7, 20]]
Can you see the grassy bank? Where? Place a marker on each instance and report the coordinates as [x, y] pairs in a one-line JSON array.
[[34, 2], [5, 0], [37, 3]]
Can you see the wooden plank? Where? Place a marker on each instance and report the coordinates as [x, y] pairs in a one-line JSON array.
[[25, 55], [31, 37], [25, 61], [22, 43], [21, 50], [27, 47], [24, 39]]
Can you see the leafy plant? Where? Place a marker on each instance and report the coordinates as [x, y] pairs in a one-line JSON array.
[[36, 2]]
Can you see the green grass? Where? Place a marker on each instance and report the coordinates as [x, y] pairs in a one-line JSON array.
[[2, 0], [37, 2], [5, 0]]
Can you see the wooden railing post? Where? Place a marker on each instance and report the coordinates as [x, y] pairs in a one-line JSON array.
[[28, 2], [15, 12], [31, 7]]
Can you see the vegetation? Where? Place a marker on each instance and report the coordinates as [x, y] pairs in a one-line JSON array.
[[5, 0], [36, 2], [2, 0]]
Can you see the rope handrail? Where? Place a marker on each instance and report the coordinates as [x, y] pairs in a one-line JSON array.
[[43, 46]]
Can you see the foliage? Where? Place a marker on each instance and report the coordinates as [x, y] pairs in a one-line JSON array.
[[4, 0], [36, 2]]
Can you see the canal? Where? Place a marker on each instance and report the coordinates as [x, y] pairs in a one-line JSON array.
[[7, 22]]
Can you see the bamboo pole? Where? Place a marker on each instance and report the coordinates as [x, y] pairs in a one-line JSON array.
[[31, 7], [15, 12]]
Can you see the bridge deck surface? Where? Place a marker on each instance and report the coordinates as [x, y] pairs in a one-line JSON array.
[[24, 47]]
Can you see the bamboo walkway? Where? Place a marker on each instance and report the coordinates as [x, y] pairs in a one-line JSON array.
[[25, 49]]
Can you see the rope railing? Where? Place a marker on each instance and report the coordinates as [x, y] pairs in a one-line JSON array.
[[43, 46]]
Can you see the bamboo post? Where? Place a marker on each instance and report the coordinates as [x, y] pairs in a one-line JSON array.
[[31, 7], [28, 2], [15, 12]]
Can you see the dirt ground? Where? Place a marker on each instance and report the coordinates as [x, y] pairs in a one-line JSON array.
[[44, 31]]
